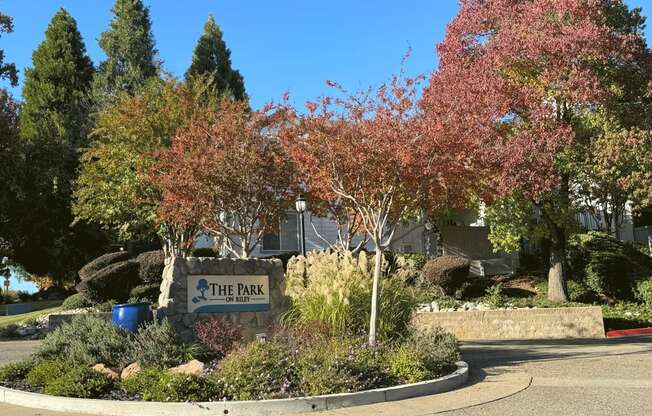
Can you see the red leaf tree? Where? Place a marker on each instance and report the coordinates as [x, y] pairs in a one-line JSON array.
[[368, 151], [228, 175], [514, 76]]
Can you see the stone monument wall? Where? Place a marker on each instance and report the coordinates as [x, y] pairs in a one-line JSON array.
[[174, 298]]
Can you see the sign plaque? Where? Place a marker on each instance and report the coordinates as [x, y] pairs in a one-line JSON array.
[[228, 293]]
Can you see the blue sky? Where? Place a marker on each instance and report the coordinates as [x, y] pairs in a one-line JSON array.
[[277, 45]]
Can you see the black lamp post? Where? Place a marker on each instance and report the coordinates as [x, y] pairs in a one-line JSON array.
[[301, 205]]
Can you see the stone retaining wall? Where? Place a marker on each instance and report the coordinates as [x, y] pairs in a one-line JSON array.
[[173, 301], [539, 323]]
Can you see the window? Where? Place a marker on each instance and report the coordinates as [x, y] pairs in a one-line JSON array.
[[286, 239]]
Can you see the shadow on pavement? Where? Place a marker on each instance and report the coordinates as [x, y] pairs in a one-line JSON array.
[[496, 353]]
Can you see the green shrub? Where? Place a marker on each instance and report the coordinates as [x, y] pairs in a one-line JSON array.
[[395, 308], [258, 371], [447, 272], [340, 365], [407, 266], [607, 266], [406, 364], [62, 377], [578, 292], [79, 381], [145, 293], [101, 262], [627, 315], [105, 307], [644, 291], [87, 340], [115, 281], [45, 372], [204, 252], [16, 371], [75, 301], [424, 356], [145, 383], [494, 296], [157, 345], [161, 386], [151, 265]]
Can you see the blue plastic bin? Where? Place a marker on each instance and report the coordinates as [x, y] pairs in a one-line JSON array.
[[131, 315]]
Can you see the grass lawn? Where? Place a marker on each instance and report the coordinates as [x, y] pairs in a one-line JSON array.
[[40, 308]]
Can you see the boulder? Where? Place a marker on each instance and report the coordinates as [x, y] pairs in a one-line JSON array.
[[192, 368], [130, 371], [103, 369]]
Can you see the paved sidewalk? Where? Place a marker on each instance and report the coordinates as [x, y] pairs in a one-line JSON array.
[[520, 378]]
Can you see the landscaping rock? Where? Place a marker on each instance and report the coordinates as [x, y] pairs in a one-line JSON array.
[[192, 368], [103, 369], [130, 371]]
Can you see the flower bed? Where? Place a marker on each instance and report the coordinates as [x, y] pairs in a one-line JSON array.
[[89, 358]]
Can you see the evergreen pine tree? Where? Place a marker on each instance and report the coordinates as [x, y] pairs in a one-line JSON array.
[[53, 130], [130, 52], [7, 71], [55, 106], [211, 58]]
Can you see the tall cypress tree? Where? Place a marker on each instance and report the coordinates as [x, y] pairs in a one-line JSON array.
[[7, 70], [130, 52], [55, 106], [53, 129], [211, 58]]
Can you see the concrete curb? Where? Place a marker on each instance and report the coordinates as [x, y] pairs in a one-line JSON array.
[[236, 408]]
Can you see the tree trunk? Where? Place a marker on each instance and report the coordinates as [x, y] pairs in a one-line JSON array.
[[545, 252], [374, 296], [557, 275]]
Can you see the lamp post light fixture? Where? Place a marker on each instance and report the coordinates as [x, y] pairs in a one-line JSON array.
[[301, 205], [6, 273]]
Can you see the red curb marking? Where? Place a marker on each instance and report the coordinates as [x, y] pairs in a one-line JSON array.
[[627, 332]]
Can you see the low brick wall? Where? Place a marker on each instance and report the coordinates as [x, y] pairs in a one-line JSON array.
[[540, 323]]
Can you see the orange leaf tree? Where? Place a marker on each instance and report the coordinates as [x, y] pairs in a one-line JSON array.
[[370, 150], [228, 175], [517, 76]]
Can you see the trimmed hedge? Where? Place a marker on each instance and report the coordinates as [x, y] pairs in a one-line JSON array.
[[447, 272], [151, 265], [145, 293], [204, 252], [101, 262], [112, 282], [607, 266], [76, 301]]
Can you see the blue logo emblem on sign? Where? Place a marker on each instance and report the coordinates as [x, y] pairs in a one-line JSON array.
[[202, 287]]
